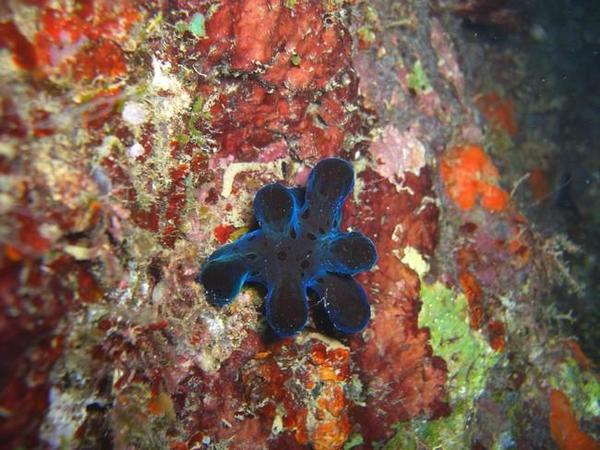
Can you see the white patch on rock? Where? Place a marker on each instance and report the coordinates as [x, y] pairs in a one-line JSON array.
[[277, 426], [64, 416], [165, 108], [161, 78], [134, 113], [413, 259], [135, 150]]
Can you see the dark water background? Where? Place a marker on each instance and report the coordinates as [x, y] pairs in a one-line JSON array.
[[560, 47]]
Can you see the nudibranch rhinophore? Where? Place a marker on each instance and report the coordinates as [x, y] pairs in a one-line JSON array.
[[298, 251]]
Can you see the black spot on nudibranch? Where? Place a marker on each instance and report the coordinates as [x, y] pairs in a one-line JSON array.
[[292, 219]]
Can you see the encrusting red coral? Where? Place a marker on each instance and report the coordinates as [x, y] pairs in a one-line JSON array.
[[222, 233], [84, 42], [302, 65], [468, 173], [474, 296], [497, 13], [497, 335], [582, 359], [252, 118], [321, 373], [300, 47], [565, 430], [499, 112], [488, 259], [538, 181], [254, 396], [35, 301], [402, 378], [469, 261], [11, 124], [24, 54]]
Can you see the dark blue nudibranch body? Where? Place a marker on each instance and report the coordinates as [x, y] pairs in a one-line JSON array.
[[298, 249]]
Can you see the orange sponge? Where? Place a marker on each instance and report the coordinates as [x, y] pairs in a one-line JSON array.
[[564, 427], [468, 173]]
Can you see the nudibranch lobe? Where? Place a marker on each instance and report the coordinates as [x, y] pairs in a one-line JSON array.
[[298, 249]]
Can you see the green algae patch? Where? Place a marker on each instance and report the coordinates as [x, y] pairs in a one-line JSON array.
[[469, 359], [417, 79], [200, 113], [582, 388], [366, 35], [354, 441], [295, 59]]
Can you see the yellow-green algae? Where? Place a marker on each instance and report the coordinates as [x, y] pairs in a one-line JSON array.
[[417, 79], [354, 441], [469, 358], [582, 388]]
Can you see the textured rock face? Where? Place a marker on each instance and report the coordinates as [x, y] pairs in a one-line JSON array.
[[133, 139]]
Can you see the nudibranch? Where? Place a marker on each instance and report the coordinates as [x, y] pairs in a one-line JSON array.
[[298, 252]]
